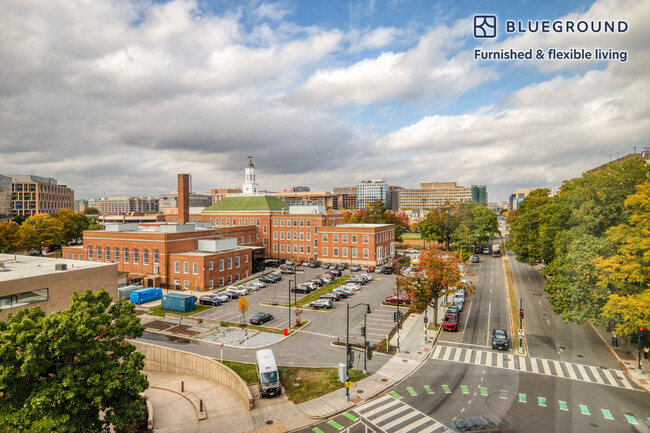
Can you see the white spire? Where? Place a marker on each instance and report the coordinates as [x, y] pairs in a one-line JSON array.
[[250, 186]]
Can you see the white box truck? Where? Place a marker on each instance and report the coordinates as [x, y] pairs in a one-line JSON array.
[[267, 373]]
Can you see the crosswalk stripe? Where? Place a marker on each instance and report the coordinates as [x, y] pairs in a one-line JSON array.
[[511, 362], [387, 415], [399, 420], [623, 379], [468, 353], [583, 373], [558, 368], [381, 408], [522, 364], [436, 352], [572, 372], [374, 403], [533, 364], [457, 355], [594, 371], [432, 428], [545, 366], [414, 425], [609, 377], [499, 360]]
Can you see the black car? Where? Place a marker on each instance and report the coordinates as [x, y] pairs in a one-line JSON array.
[[334, 272], [261, 318], [266, 279], [388, 270], [210, 300], [499, 339], [331, 296], [315, 264], [475, 259], [301, 289]]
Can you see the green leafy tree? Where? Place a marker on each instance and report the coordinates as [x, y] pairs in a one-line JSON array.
[[480, 222], [74, 224], [527, 223], [440, 225], [630, 312], [74, 370], [11, 237], [438, 276], [627, 271], [41, 229], [91, 211]]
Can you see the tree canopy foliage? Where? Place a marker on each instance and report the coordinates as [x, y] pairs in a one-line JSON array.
[[377, 213], [593, 238], [71, 371]]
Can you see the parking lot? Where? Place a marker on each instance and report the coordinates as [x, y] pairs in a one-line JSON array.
[[331, 323]]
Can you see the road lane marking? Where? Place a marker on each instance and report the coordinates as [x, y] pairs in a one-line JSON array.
[[487, 342], [335, 424], [350, 416], [446, 389], [631, 419], [428, 389], [317, 430], [607, 414], [467, 318], [411, 391], [484, 391], [584, 409], [464, 389], [396, 395], [594, 371], [541, 401], [504, 394], [563, 405], [522, 398]]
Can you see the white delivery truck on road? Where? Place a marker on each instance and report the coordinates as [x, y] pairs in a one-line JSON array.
[[267, 373]]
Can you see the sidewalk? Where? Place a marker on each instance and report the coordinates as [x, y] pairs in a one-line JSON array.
[[413, 352], [630, 360]]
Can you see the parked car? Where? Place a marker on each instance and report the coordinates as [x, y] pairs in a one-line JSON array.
[[379, 270], [459, 303], [486, 250], [357, 280], [261, 318], [402, 300], [224, 298], [231, 294], [210, 300], [321, 303], [366, 277], [453, 309], [290, 263], [315, 264], [301, 289], [353, 286], [267, 279], [370, 269], [478, 249], [249, 287], [331, 296], [388, 270], [342, 293], [258, 283], [334, 272], [288, 270], [499, 339], [355, 268], [241, 290], [326, 265], [475, 259], [341, 266], [450, 323]]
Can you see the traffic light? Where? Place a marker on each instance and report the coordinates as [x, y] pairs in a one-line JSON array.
[[521, 313], [368, 351], [350, 358]]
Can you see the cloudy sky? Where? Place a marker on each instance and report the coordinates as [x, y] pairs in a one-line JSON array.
[[116, 97]]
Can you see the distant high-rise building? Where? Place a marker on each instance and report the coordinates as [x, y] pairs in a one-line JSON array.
[[371, 190], [5, 196], [479, 194], [346, 196], [124, 205], [308, 198], [170, 201], [35, 194], [432, 195], [517, 197]]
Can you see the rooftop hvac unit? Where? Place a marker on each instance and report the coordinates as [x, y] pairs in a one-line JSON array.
[[61, 267]]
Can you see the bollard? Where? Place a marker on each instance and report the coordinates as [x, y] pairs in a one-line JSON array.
[[614, 341], [201, 405], [182, 386], [286, 332]]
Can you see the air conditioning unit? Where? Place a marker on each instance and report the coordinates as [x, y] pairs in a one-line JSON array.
[[61, 267]]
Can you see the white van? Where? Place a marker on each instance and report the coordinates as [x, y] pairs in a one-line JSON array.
[[267, 373]]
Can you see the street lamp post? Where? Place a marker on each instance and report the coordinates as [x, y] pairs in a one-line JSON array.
[[289, 302], [348, 349]]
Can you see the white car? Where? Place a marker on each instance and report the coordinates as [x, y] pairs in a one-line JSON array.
[[258, 283], [366, 277], [240, 290], [221, 296], [353, 286], [411, 251], [344, 289], [313, 286]]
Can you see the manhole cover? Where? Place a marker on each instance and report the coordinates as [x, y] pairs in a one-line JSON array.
[[359, 391], [269, 422], [562, 347], [384, 380], [406, 351], [580, 356], [405, 360], [593, 424]]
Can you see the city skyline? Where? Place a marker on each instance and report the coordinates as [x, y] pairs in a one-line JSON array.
[[110, 99]]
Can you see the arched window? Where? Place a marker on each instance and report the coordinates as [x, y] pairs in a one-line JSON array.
[[136, 256], [126, 255], [108, 254], [145, 256], [99, 253], [90, 253], [116, 255], [156, 257]]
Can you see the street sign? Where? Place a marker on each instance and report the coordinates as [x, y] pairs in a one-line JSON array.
[[521, 333], [348, 384]]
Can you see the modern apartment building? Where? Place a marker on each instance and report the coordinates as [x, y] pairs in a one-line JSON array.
[[35, 194], [308, 198], [170, 201], [517, 197], [346, 197], [371, 190], [124, 205], [218, 194], [5, 196], [432, 195]]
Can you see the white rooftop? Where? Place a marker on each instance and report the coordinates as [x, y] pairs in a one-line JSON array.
[[21, 266]]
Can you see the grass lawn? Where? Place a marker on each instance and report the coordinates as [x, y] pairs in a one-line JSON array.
[[248, 372], [325, 289], [313, 383], [253, 327], [411, 236], [158, 311]]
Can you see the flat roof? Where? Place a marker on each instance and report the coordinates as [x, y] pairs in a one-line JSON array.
[[363, 225], [20, 266]]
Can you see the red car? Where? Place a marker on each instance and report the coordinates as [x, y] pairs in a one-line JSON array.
[[450, 323], [370, 269], [402, 300]]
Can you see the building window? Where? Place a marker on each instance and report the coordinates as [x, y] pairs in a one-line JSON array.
[[229, 262], [227, 221], [90, 253], [264, 229], [156, 257], [99, 254], [67, 256], [275, 223], [282, 248], [344, 252], [245, 221], [308, 223], [186, 284], [354, 239], [302, 249], [308, 236], [344, 239], [210, 265], [257, 236], [221, 264], [288, 235], [281, 223], [275, 248], [221, 282], [295, 236], [281, 235], [177, 284], [221, 221], [186, 267], [240, 221], [108, 254], [365, 253], [116, 255], [145, 256], [177, 266], [324, 237], [295, 222], [246, 258], [126, 255], [211, 284], [308, 249], [335, 238], [195, 268], [315, 230], [264, 241], [336, 252], [302, 236], [229, 279], [354, 253], [237, 261], [365, 239], [324, 251], [257, 223], [248, 239], [302, 223], [295, 249], [241, 240], [275, 235]]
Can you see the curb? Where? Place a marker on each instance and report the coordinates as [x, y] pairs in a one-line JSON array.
[[630, 375]]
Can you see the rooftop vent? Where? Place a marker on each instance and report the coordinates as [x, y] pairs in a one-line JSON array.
[[61, 267]]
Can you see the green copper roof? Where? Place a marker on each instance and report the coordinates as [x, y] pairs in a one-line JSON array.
[[261, 202]]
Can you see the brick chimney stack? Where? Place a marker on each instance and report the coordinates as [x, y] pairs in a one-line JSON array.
[[183, 198]]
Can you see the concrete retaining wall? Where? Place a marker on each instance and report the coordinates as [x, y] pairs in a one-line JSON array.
[[167, 360]]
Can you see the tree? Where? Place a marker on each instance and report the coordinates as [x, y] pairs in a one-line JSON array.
[[11, 237], [438, 276], [629, 312], [481, 223], [242, 307], [91, 211], [73, 370], [527, 223], [627, 271], [41, 229], [74, 224], [440, 224]]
